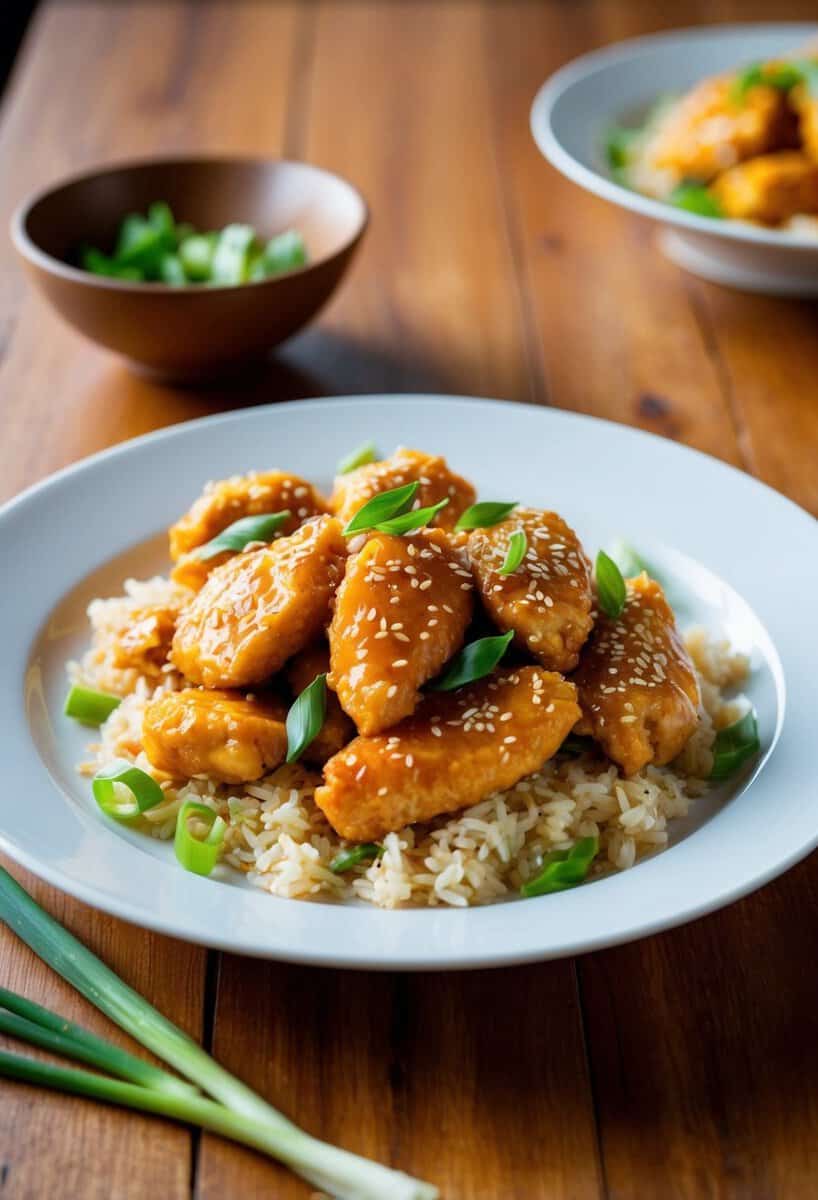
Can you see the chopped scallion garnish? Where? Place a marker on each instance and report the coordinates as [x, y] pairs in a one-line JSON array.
[[517, 546], [630, 563], [358, 457], [407, 522], [233, 539], [610, 586], [306, 717], [485, 513], [696, 198], [382, 507], [734, 745], [88, 706], [346, 859], [198, 838], [563, 869], [144, 791], [473, 662]]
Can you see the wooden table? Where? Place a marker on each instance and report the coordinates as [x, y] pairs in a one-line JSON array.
[[685, 1065]]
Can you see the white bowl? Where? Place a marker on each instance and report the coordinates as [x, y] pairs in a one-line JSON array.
[[575, 107]]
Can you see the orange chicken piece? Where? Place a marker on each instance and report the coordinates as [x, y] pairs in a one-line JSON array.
[[224, 502], [637, 686], [431, 471], [547, 601], [219, 734], [337, 729], [806, 106], [144, 644], [710, 129], [400, 614], [259, 608], [771, 188], [457, 748]]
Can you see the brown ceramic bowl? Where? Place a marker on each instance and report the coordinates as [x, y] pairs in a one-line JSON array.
[[197, 332]]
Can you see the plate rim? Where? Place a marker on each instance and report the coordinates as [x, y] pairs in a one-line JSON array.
[[427, 959]]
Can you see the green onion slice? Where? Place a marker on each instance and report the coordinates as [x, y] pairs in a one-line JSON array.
[[485, 513], [231, 258], [610, 586], [473, 662], [629, 561], [198, 852], [358, 457], [409, 521], [306, 717], [695, 198], [563, 869], [517, 546], [89, 706], [346, 859], [734, 745], [145, 791], [241, 533], [382, 508]]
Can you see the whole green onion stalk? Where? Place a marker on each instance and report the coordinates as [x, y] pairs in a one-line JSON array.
[[239, 1114]]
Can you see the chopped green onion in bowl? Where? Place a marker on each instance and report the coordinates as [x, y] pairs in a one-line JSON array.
[[198, 838], [157, 249], [245, 531], [124, 791], [474, 661], [734, 746], [89, 706]]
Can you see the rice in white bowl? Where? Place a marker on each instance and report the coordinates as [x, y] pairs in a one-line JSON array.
[[281, 840]]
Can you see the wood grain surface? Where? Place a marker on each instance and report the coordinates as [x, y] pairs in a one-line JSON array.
[[684, 1065]]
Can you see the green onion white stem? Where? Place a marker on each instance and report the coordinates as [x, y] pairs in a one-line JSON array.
[[249, 1119]]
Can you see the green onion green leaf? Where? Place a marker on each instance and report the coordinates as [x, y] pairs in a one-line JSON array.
[[473, 662], [517, 546], [145, 792], [261, 528], [618, 146], [409, 521], [89, 706], [358, 457], [563, 869], [346, 859], [196, 255], [630, 563], [485, 513], [610, 586], [198, 849], [734, 745], [697, 199], [306, 717], [382, 508], [161, 218], [233, 254], [285, 252], [171, 270]]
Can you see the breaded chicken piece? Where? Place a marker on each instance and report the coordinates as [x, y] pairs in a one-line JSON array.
[[337, 730], [770, 188], [401, 612], [806, 106], [260, 608], [431, 471], [224, 502], [547, 601], [637, 686], [457, 748], [144, 643], [219, 734], [709, 129]]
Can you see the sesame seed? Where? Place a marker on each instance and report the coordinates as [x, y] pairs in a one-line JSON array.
[[401, 662], [410, 760], [391, 690]]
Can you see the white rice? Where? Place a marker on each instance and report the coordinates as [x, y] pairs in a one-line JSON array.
[[281, 840]]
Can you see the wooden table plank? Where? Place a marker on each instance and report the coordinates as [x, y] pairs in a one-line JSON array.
[[431, 1073]]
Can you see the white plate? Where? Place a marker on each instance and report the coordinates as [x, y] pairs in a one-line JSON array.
[[744, 558], [575, 107]]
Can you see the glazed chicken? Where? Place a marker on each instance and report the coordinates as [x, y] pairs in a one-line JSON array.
[[260, 608], [224, 502], [805, 104], [401, 612], [547, 601], [145, 642], [770, 189], [709, 130], [637, 686], [431, 471], [337, 729], [457, 748], [220, 734]]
